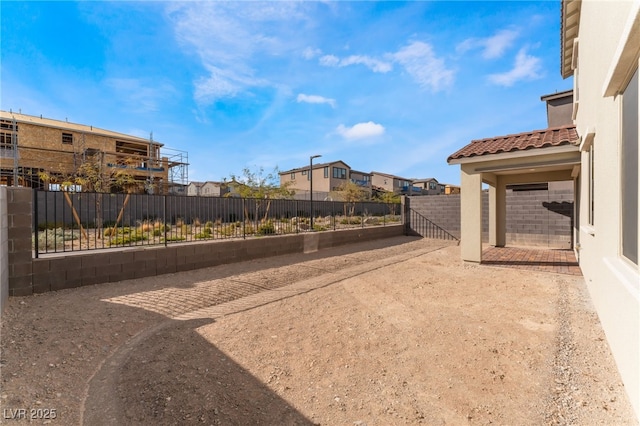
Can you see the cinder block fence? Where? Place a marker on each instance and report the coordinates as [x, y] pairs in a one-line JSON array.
[[27, 275]]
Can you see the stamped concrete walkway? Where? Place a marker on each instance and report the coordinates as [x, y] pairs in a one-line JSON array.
[[534, 259]]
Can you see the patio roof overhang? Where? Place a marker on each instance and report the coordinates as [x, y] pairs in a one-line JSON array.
[[531, 166], [533, 157]]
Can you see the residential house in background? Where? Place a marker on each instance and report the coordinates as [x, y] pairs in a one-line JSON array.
[[207, 189], [429, 186], [392, 183], [327, 177], [451, 189], [31, 146]]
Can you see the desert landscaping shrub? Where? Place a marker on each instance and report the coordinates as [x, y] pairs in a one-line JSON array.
[[353, 220], [54, 238], [128, 238], [266, 228]]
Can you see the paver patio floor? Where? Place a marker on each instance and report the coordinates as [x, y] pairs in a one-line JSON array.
[[535, 259]]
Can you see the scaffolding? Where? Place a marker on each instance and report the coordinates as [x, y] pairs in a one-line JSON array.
[[24, 165], [178, 165]]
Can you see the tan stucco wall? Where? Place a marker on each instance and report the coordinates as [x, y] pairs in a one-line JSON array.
[[613, 283]]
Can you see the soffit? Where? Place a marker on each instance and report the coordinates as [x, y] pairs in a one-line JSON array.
[[570, 25]]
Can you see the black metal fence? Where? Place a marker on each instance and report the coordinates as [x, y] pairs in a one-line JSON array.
[[420, 225], [66, 221]]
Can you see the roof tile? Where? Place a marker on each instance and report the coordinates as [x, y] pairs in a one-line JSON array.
[[556, 136]]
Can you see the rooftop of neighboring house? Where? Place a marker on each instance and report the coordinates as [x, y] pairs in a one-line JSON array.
[[359, 172], [315, 166], [65, 125], [424, 180], [391, 176]]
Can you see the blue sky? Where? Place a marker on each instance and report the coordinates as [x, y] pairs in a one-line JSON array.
[[393, 87]]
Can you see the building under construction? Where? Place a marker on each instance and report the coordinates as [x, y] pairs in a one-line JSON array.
[[43, 153]]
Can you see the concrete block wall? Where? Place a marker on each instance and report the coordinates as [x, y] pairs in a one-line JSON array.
[[534, 218], [4, 249], [19, 207], [27, 275], [540, 218], [81, 269]]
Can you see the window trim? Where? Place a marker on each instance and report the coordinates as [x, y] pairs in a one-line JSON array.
[[622, 147], [67, 136]]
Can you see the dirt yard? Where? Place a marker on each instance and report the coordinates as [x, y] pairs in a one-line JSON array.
[[391, 332]]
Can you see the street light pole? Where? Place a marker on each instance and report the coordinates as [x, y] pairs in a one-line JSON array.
[[311, 185]]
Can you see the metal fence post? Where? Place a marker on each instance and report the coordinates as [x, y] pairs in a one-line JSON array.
[[164, 218], [34, 222]]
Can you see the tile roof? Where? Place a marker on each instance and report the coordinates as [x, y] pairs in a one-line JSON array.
[[556, 136]]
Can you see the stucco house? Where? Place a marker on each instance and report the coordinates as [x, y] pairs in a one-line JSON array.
[[600, 48], [327, 177], [429, 186], [391, 183], [207, 189]]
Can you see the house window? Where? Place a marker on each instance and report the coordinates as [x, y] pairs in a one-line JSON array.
[[592, 184], [293, 176], [629, 170], [5, 140], [304, 173], [326, 171], [67, 138], [339, 173]]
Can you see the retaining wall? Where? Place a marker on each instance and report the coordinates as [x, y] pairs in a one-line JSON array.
[[4, 249], [55, 272]]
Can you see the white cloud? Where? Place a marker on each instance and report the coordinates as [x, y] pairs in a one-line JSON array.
[[526, 67], [329, 61], [230, 38], [492, 47], [423, 65], [417, 58], [315, 99], [310, 53], [360, 130], [373, 64]]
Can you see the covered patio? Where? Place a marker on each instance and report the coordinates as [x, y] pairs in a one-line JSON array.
[[557, 261], [540, 156]]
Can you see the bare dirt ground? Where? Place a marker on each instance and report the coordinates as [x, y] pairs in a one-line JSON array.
[[397, 331]]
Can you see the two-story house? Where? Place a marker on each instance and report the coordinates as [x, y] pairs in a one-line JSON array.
[[429, 186], [207, 189], [392, 183], [32, 146], [327, 177]]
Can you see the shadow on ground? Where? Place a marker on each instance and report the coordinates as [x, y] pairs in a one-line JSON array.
[[171, 375]]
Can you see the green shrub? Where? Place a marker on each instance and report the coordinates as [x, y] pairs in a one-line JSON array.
[[266, 228], [353, 220], [128, 239]]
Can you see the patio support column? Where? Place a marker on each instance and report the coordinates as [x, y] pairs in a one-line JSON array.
[[498, 213], [470, 215]]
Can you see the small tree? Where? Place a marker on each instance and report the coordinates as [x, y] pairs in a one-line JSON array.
[[391, 199], [350, 193], [262, 187]]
